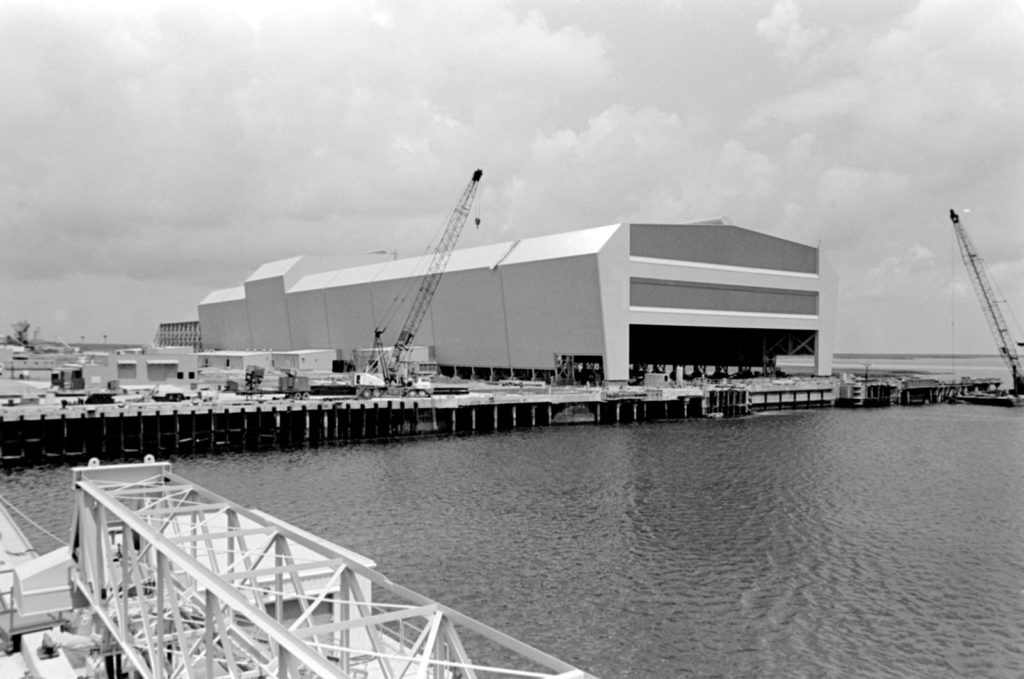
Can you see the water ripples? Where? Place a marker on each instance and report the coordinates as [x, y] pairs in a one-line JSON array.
[[818, 544]]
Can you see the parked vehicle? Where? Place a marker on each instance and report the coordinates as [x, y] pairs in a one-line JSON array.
[[169, 393]]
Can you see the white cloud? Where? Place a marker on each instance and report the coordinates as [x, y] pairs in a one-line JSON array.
[[170, 141], [783, 29], [157, 150], [110, 120], [847, 188], [606, 171], [897, 271], [840, 97], [749, 171]]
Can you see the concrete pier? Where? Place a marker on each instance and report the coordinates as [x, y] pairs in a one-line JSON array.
[[31, 436], [795, 396]]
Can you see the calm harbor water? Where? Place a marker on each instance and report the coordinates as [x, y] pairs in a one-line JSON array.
[[832, 543]]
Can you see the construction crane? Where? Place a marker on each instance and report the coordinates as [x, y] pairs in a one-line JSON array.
[[388, 368], [989, 304]]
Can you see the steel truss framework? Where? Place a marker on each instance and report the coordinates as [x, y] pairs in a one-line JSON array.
[[192, 586], [792, 343]]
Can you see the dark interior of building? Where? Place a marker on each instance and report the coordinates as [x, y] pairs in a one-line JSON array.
[[701, 346]]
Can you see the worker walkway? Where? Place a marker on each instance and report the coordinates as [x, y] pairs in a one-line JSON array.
[[190, 585]]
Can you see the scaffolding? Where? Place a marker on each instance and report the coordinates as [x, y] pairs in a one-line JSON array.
[[192, 586]]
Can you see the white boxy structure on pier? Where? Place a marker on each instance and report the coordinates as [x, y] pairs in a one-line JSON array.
[[191, 585]]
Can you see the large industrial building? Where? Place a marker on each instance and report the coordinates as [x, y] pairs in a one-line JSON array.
[[599, 304]]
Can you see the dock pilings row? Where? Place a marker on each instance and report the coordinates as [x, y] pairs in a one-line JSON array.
[[108, 433], [71, 436]]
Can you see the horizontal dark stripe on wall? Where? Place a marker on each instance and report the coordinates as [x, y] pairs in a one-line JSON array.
[[648, 292]]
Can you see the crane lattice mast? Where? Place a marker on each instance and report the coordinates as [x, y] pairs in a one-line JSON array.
[[438, 262], [989, 303]]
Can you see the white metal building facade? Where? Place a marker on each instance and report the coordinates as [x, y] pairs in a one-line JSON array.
[[605, 298]]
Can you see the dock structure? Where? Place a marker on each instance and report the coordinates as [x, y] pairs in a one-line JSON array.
[[189, 584], [911, 390], [791, 394], [110, 432], [30, 436]]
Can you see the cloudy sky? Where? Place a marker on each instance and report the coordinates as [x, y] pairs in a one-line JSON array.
[[152, 152]]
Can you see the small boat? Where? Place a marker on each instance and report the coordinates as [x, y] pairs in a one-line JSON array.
[[992, 399]]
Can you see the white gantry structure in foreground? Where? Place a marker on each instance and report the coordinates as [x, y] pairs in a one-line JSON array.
[[193, 586]]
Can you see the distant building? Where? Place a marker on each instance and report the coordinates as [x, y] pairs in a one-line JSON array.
[[152, 366], [32, 367], [304, 360], [7, 354], [606, 303], [234, 360], [179, 334]]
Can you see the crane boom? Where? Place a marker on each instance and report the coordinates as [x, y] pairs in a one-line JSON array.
[[429, 283], [989, 304]]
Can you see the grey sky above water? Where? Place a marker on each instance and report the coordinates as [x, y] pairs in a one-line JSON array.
[[153, 152]]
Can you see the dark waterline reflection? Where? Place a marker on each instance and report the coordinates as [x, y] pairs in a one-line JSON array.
[[827, 543]]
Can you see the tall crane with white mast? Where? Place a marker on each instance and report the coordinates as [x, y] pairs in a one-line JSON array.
[[989, 304], [388, 368]]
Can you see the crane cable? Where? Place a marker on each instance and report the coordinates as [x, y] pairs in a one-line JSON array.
[[476, 206], [412, 281], [1003, 300], [30, 521], [403, 293]]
